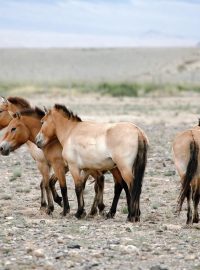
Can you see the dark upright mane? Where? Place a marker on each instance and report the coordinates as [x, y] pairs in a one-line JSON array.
[[19, 102], [67, 113], [35, 112]]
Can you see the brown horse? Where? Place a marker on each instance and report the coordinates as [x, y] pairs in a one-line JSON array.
[[5, 119], [24, 127], [120, 147], [186, 158], [10, 106]]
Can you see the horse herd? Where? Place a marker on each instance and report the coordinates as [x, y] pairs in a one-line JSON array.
[[58, 139]]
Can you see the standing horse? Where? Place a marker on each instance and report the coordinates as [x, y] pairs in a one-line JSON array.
[[10, 106], [23, 128], [120, 147], [186, 158]]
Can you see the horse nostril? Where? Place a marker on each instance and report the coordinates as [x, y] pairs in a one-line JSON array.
[[1, 148]]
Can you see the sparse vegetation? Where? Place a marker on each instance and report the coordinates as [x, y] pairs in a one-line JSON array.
[[107, 88], [16, 173]]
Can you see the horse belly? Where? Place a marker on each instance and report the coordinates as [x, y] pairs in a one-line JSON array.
[[92, 155], [96, 164]]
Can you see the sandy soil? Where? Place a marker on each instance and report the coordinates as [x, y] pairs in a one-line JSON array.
[[29, 239], [66, 66]]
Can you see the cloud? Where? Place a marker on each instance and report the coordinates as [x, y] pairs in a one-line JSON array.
[[113, 21]]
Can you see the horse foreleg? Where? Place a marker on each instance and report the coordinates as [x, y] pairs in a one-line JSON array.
[[59, 170], [44, 169], [79, 181]]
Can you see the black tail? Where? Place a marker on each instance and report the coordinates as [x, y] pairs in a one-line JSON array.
[[190, 173], [139, 169]]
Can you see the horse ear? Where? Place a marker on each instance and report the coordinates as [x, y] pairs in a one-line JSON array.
[[3, 99], [46, 110]]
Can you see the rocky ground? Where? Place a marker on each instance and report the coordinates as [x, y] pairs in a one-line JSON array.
[[29, 239]]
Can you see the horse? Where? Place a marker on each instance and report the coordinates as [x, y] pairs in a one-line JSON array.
[[10, 106], [116, 147], [23, 128], [186, 158]]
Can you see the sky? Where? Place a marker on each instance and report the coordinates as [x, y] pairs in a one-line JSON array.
[[99, 23]]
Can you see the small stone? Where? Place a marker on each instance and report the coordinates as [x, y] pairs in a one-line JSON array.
[[74, 246], [128, 229], [60, 241], [190, 257], [172, 227], [42, 221], [158, 267], [129, 249], [9, 218], [39, 253]]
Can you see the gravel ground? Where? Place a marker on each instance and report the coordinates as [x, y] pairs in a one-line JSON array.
[[29, 239]]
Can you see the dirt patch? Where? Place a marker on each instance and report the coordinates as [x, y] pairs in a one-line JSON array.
[[29, 239]]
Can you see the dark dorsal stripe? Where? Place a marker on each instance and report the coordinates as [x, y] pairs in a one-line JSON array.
[[67, 113], [35, 112], [18, 101]]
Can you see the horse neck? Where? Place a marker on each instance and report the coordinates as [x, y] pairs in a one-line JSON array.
[[34, 125], [63, 127]]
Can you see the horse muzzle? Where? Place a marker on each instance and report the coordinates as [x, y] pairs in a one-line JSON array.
[[5, 148]]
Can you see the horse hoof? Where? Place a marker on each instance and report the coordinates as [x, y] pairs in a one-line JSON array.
[[195, 220], [43, 209], [43, 206], [101, 207], [103, 213], [93, 213], [80, 214], [110, 215], [133, 219], [64, 213], [50, 210], [58, 200]]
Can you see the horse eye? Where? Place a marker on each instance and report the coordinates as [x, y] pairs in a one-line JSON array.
[[13, 129], [42, 122]]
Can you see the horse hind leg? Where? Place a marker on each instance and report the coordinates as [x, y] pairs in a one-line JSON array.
[[43, 196], [98, 199], [52, 181], [196, 198], [189, 209], [44, 169], [93, 210], [59, 170], [101, 205], [79, 181]]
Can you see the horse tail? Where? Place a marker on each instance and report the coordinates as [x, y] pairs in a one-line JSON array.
[[139, 169], [190, 172]]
